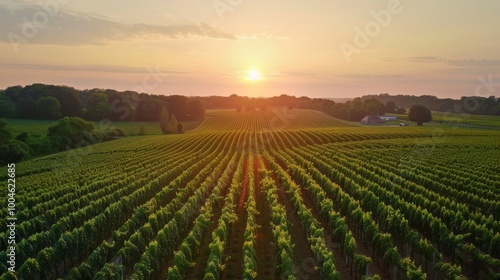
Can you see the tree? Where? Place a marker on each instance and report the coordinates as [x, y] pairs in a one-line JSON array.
[[71, 132], [5, 133], [48, 108], [68, 97], [356, 113], [147, 110], [419, 114], [98, 106], [195, 110], [26, 108], [121, 105], [11, 150], [179, 127], [71, 105], [7, 107], [14, 151], [178, 106], [13, 93], [390, 107], [374, 107], [165, 121], [173, 123]]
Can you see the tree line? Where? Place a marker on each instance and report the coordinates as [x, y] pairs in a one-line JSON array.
[[76, 110], [40, 101], [52, 102], [357, 108], [352, 110], [466, 104]]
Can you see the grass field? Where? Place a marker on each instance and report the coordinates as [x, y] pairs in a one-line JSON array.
[[275, 194], [457, 119], [130, 128]]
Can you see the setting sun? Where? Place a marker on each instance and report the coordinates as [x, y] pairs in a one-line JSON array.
[[254, 75]]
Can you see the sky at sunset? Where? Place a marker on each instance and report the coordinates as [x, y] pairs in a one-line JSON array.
[[334, 48]]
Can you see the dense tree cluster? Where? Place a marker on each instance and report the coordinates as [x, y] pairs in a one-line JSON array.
[[74, 132], [357, 108], [353, 110], [75, 109], [244, 103], [67, 133], [11, 150], [39, 101], [47, 102], [466, 104], [419, 114]]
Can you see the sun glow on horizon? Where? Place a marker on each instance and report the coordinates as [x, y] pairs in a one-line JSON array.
[[254, 75]]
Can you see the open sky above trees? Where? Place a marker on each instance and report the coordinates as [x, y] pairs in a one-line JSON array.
[[254, 48]]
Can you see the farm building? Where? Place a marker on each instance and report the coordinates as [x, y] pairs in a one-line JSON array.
[[388, 118], [372, 120]]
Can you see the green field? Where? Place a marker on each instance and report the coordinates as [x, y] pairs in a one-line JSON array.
[[130, 128], [273, 194], [457, 119]]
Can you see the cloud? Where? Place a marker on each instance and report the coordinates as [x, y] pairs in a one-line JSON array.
[[472, 70], [461, 66], [474, 62], [262, 36], [275, 74], [371, 76], [65, 27], [425, 59], [457, 62], [292, 74], [89, 68]]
